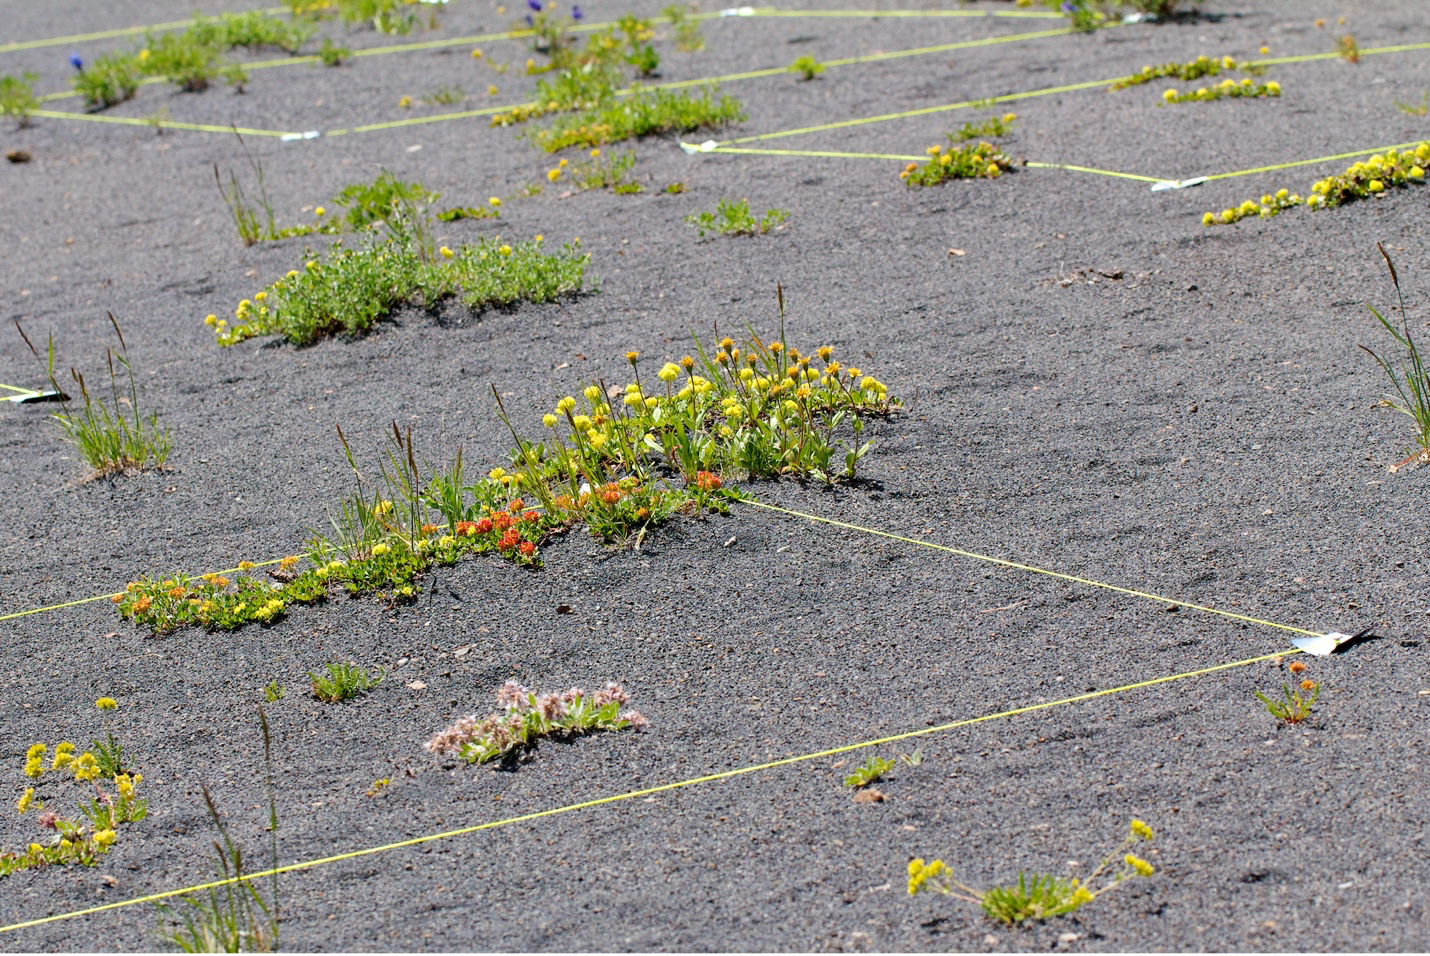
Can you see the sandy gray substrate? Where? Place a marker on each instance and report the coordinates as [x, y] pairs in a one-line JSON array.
[[1054, 424]]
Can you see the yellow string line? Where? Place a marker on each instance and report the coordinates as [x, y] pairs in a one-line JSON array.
[[648, 791], [1034, 569], [107, 34], [163, 123], [16, 388], [110, 597], [1012, 97], [726, 78], [1318, 159], [834, 154]]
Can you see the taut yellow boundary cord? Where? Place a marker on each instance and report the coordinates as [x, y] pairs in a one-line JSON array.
[[1032, 568], [645, 792]]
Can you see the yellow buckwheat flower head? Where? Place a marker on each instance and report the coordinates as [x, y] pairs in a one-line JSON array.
[[1208, 219], [1170, 96], [921, 872], [549, 420], [552, 175], [35, 752], [446, 252], [565, 405], [405, 102], [1142, 867], [378, 550], [495, 201], [1080, 896], [105, 838], [26, 798], [1273, 88], [505, 250], [1141, 830], [669, 372], [106, 703], [592, 393], [85, 767]]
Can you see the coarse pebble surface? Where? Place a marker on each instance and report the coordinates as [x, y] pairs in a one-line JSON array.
[[1095, 384]]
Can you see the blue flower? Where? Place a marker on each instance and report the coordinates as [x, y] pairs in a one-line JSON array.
[[76, 61], [1069, 7], [534, 4], [576, 13], [529, 21]]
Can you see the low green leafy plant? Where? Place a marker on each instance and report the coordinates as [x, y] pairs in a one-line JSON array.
[[872, 771], [991, 128], [526, 718], [1412, 381], [734, 219], [108, 438], [111, 79], [807, 67], [17, 96], [645, 113], [979, 161], [187, 60], [70, 841], [1227, 88], [343, 682], [332, 54], [468, 212], [348, 290], [386, 16], [1038, 897], [1292, 707], [251, 30], [382, 199]]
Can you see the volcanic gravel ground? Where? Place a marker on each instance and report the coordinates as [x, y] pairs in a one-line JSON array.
[[1099, 386]]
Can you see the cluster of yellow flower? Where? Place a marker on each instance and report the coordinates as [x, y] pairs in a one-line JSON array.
[[921, 872], [1361, 180], [1192, 70], [1270, 205], [1226, 88], [1373, 176], [979, 161]]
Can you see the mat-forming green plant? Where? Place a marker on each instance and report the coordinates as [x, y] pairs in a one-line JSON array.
[[644, 113], [1036, 897], [807, 67], [1227, 88], [1411, 380], [526, 718], [733, 218], [1188, 71], [107, 437], [112, 78]]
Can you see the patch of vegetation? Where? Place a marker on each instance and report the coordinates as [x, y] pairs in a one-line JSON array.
[[251, 30], [469, 212], [17, 96], [245, 212], [621, 461], [1227, 88], [1412, 381], [111, 79], [807, 66], [187, 61], [1191, 70], [382, 199], [990, 128], [603, 171], [1415, 109], [343, 682], [348, 290], [735, 219], [872, 772], [688, 38], [108, 438], [979, 161], [273, 692], [1361, 180], [525, 718], [646, 113], [331, 54], [1292, 708], [1037, 897], [1348, 48], [68, 840]]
